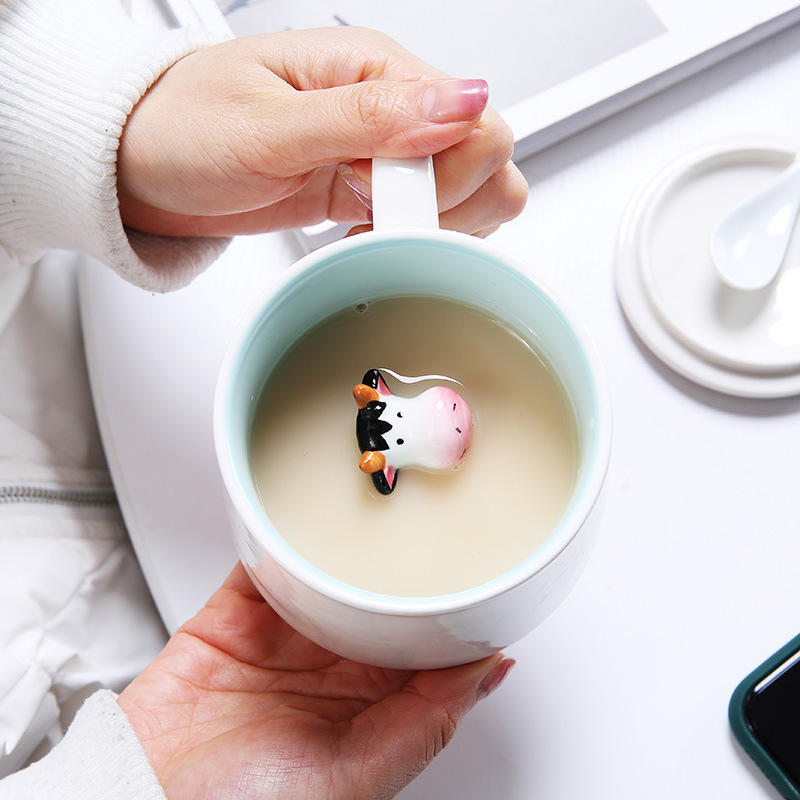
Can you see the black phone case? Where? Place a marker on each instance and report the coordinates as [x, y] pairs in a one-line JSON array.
[[744, 733]]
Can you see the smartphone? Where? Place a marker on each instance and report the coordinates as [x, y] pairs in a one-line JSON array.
[[764, 714]]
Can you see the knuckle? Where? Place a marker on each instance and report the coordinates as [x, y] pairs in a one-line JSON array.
[[497, 141], [375, 109], [509, 192], [372, 38], [441, 735], [504, 143], [449, 724], [375, 46], [516, 192]]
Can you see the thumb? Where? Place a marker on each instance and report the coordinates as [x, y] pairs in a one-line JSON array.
[[388, 119], [397, 738]]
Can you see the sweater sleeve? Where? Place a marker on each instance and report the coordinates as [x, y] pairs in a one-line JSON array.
[[99, 758], [70, 74]]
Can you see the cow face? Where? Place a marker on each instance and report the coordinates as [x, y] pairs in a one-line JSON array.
[[431, 431]]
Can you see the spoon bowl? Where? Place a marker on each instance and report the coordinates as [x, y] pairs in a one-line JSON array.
[[748, 245]]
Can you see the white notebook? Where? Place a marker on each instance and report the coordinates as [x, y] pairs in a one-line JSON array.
[[553, 66]]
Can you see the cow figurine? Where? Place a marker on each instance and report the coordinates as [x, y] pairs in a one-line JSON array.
[[431, 431]]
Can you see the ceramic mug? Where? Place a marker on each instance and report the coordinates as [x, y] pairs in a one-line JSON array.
[[407, 254]]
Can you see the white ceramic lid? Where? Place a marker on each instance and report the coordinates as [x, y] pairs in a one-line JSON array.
[[744, 343]]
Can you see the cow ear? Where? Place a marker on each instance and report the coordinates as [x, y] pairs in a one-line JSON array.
[[385, 480], [382, 387], [364, 394], [373, 377], [371, 462]]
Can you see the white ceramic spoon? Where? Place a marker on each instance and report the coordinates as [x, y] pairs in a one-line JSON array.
[[748, 245]]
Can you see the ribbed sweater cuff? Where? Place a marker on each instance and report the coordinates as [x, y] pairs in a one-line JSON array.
[[99, 758], [71, 73]]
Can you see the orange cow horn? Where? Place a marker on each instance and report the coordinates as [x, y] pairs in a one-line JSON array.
[[372, 461], [364, 394]]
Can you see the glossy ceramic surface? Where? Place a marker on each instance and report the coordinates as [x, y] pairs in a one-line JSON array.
[[740, 343], [749, 243], [382, 629]]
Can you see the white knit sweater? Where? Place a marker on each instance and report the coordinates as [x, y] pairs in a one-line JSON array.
[[70, 73], [100, 758]]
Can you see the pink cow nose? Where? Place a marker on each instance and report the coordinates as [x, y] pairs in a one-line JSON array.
[[450, 428]]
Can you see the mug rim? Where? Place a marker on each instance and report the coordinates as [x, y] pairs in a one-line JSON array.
[[279, 549]]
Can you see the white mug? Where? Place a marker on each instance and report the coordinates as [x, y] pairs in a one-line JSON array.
[[407, 254]]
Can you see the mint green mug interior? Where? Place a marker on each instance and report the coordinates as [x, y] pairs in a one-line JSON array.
[[439, 264]]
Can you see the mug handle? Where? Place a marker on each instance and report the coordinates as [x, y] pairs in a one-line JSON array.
[[404, 194]]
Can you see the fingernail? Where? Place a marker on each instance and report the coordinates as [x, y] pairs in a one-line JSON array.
[[451, 101], [361, 188], [494, 678]]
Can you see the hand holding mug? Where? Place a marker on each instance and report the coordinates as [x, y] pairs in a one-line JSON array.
[[239, 704], [274, 132], [331, 563]]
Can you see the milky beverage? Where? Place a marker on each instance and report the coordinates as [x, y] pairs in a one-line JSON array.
[[436, 533]]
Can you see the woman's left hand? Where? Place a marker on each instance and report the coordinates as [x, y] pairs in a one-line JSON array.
[[274, 132]]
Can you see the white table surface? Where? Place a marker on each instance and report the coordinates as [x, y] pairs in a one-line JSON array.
[[623, 692]]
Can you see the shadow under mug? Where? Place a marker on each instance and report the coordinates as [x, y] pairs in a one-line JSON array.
[[407, 255]]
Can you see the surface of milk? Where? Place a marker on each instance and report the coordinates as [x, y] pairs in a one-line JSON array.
[[436, 533]]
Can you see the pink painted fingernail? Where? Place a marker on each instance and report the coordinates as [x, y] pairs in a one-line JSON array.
[[495, 677], [455, 100]]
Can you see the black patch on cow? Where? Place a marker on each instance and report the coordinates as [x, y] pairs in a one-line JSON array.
[[371, 378], [370, 428], [382, 484]]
